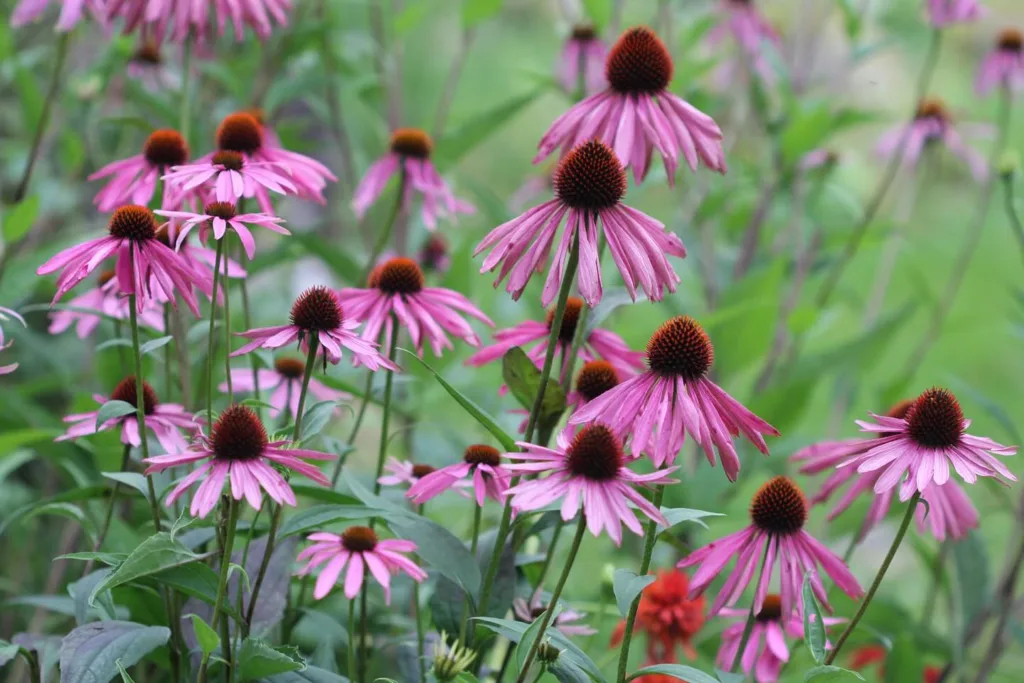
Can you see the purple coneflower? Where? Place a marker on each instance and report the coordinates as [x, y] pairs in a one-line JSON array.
[[637, 114], [105, 299], [181, 19], [71, 12], [238, 450], [589, 186], [673, 397], [594, 379], [565, 621], [218, 217], [1004, 65], [284, 382], [318, 314], [933, 123], [145, 267], [750, 30], [430, 314], [134, 180], [778, 513], [945, 12], [163, 419], [480, 463], [361, 550], [409, 155], [587, 469], [229, 176], [582, 61], [433, 255], [7, 314], [917, 451]]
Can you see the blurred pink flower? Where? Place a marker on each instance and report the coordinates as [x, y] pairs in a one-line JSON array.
[[674, 396], [134, 180], [284, 384], [408, 473], [229, 176], [589, 186], [1004, 65], [565, 621], [480, 463], [180, 19], [637, 114], [105, 299], [239, 451], [5, 315], [409, 156], [778, 513], [359, 547], [71, 12], [945, 12], [751, 31], [433, 255], [218, 217], [582, 59], [430, 314], [586, 468]]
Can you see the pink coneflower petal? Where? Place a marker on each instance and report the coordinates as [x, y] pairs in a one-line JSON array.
[[480, 468]]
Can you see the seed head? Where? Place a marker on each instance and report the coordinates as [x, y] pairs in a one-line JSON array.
[[482, 454], [132, 222], [1011, 40], [933, 108], [398, 276], [573, 306], [590, 177], [225, 210], [238, 435], [165, 148], [148, 52], [779, 507], [232, 161], [771, 609], [433, 252], [595, 453], [411, 142], [638, 63], [317, 310], [127, 391], [359, 539], [595, 378], [935, 419], [292, 368], [240, 132], [420, 471], [680, 348], [583, 32]]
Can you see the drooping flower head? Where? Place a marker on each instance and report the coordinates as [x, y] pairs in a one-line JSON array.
[[203, 21], [752, 32], [71, 12], [566, 621], [917, 451], [766, 651], [637, 114], [228, 176], [135, 179], [165, 420], [673, 397], [667, 616], [480, 463], [599, 344], [397, 288], [409, 157], [318, 314], [778, 513], [284, 384], [945, 12], [582, 61], [238, 450], [932, 124], [145, 267], [1004, 65], [586, 469], [589, 186], [949, 511], [217, 217], [433, 256], [360, 548]]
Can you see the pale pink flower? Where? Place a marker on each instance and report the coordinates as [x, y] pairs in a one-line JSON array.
[[674, 396], [134, 180], [71, 12], [409, 157], [744, 22], [163, 419], [637, 114], [430, 314], [407, 473], [565, 621], [582, 61], [932, 124], [318, 314], [7, 314], [766, 650], [229, 176], [589, 186], [238, 450], [586, 469], [105, 298], [218, 217], [778, 513], [916, 452], [360, 549], [180, 19], [1004, 65], [946, 12], [283, 383], [480, 464], [158, 272]]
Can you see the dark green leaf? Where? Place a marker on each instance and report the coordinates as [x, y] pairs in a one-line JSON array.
[[125, 678], [831, 674], [726, 677], [257, 659], [133, 479], [440, 549], [154, 555], [627, 585], [571, 654], [39, 507], [90, 652], [683, 673], [8, 651], [680, 515], [523, 379], [310, 674], [154, 344], [973, 575], [112, 410], [320, 516], [81, 591], [814, 625], [207, 638], [316, 418], [526, 642], [19, 219]]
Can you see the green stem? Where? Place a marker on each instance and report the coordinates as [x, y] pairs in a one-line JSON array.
[[110, 510], [44, 116], [549, 613], [1011, 210], [352, 641], [275, 520], [367, 387], [559, 525], [878, 578], [118, 333], [421, 666], [209, 338], [186, 91], [386, 417], [313, 342], [650, 539], [227, 316], [168, 374], [385, 233], [247, 320], [477, 512], [222, 583]]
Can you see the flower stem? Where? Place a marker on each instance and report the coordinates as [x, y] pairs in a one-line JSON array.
[[1011, 210], [227, 315], [878, 578], [385, 233], [44, 116], [275, 520], [186, 91], [222, 583], [552, 544], [209, 337], [247, 320], [110, 510], [352, 641], [549, 613], [168, 355], [367, 388], [420, 636], [650, 539], [385, 421], [477, 512], [310, 360]]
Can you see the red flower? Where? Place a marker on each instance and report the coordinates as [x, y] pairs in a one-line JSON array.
[[870, 655], [668, 619], [932, 674]]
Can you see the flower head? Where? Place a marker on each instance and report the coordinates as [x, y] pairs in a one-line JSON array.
[[284, 384], [742, 20], [637, 114], [565, 621], [361, 549], [594, 379], [134, 180], [239, 450], [917, 451], [667, 616], [71, 12], [200, 20], [946, 12], [433, 255], [219, 216], [674, 396], [582, 61], [449, 662], [409, 156], [1004, 65], [397, 288], [145, 267], [229, 176], [589, 186], [778, 513], [480, 464], [587, 468]]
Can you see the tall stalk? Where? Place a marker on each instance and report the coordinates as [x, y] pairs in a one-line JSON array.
[[222, 582], [209, 338]]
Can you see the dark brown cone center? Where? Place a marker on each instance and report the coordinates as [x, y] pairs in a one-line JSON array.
[[232, 161], [399, 276], [1011, 40], [935, 419], [133, 222], [238, 435], [165, 148], [595, 378], [771, 609], [590, 178], [595, 453], [411, 142], [680, 348], [639, 63], [225, 210], [240, 132], [420, 471], [127, 391], [482, 454], [567, 332], [779, 507], [317, 310], [292, 368], [359, 539]]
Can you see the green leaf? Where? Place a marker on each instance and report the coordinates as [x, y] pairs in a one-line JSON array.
[[831, 674], [627, 585], [680, 515], [599, 11], [207, 638], [527, 640], [82, 589], [475, 411], [133, 479], [465, 137], [726, 677], [903, 663], [257, 659], [154, 555], [523, 379], [155, 344], [90, 653], [814, 625], [323, 494], [14, 439], [852, 18], [316, 417], [125, 678], [8, 651], [476, 11], [973, 575], [441, 549], [320, 516], [19, 219], [683, 673], [310, 674], [111, 410], [572, 656]]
